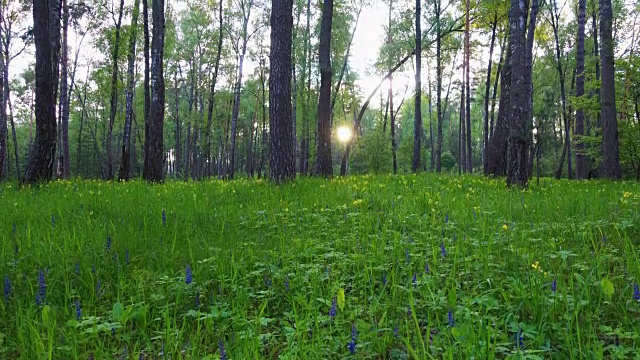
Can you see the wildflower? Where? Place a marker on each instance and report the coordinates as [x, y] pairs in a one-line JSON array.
[[267, 281], [446, 218], [554, 285], [77, 269], [189, 276], [409, 312], [13, 228], [352, 344], [164, 218], [53, 220], [426, 268], [108, 243], [7, 287], [474, 214], [636, 292], [91, 357], [450, 318], [384, 279], [93, 269], [407, 256], [42, 288], [127, 257], [535, 265], [505, 227], [519, 339], [415, 280], [223, 353], [78, 310], [626, 194], [333, 310], [443, 251], [286, 282], [396, 331]]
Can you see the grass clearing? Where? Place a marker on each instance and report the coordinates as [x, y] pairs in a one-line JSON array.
[[372, 267]]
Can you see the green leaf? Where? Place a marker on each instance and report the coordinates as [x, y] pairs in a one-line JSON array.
[[47, 317], [607, 287], [341, 299], [118, 312]]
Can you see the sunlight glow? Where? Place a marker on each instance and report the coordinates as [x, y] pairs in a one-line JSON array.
[[344, 134]]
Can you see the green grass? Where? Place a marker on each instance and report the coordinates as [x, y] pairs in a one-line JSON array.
[[268, 262]]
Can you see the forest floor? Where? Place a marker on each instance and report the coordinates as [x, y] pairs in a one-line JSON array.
[[373, 267]]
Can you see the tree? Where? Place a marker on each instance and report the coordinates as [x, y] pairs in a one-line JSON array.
[[417, 124], [41, 157], [131, 62], [610, 153], [439, 138], [518, 132], [581, 158], [324, 166], [282, 166], [467, 99], [114, 93], [153, 142], [485, 143]]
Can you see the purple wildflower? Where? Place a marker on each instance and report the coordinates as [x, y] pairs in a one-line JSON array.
[[333, 310], [189, 276], [636, 292], [396, 331], [407, 255], [108, 243], [13, 228], [446, 218], [164, 218], [426, 268], [443, 250], [127, 257], [77, 269], [384, 279], [53, 220], [352, 344], [91, 357], [42, 288], [223, 353], [519, 339], [267, 281], [78, 310], [7, 287], [415, 279], [286, 282], [554, 285], [450, 318]]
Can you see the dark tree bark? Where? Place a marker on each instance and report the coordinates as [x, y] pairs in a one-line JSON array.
[[518, 132], [417, 121], [581, 159], [563, 95], [282, 165], [147, 59], [114, 94], [467, 100], [214, 80], [498, 142], [528, 110], [41, 156], [3, 117], [324, 166], [55, 13], [596, 55], [486, 96], [64, 161], [462, 148], [440, 139], [154, 147], [83, 112], [432, 162], [610, 152], [246, 13], [125, 168], [495, 86]]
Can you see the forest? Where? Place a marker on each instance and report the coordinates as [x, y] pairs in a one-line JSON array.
[[337, 179]]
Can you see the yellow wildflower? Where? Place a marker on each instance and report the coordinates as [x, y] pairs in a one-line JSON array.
[[535, 265]]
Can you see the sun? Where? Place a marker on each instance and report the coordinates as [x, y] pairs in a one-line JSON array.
[[344, 134]]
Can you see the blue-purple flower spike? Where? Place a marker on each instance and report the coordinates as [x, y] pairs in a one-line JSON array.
[[53, 220], [78, 310], [334, 306], [189, 276], [636, 292], [352, 344], [164, 218], [108, 243], [7, 287], [42, 288], [223, 353], [450, 318], [519, 339], [554, 285], [443, 250]]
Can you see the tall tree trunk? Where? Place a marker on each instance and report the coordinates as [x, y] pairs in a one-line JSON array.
[[178, 147], [610, 153], [417, 121], [518, 132], [154, 147], [64, 94], [528, 110], [487, 90], [83, 111], [15, 139], [114, 94], [555, 16], [324, 165], [467, 101], [282, 165], [392, 124], [306, 63], [147, 66], [3, 117], [438, 87], [462, 148], [499, 139], [41, 156], [55, 13], [495, 86], [581, 159], [125, 168]]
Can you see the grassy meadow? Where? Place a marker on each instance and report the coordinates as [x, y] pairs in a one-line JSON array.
[[373, 267]]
